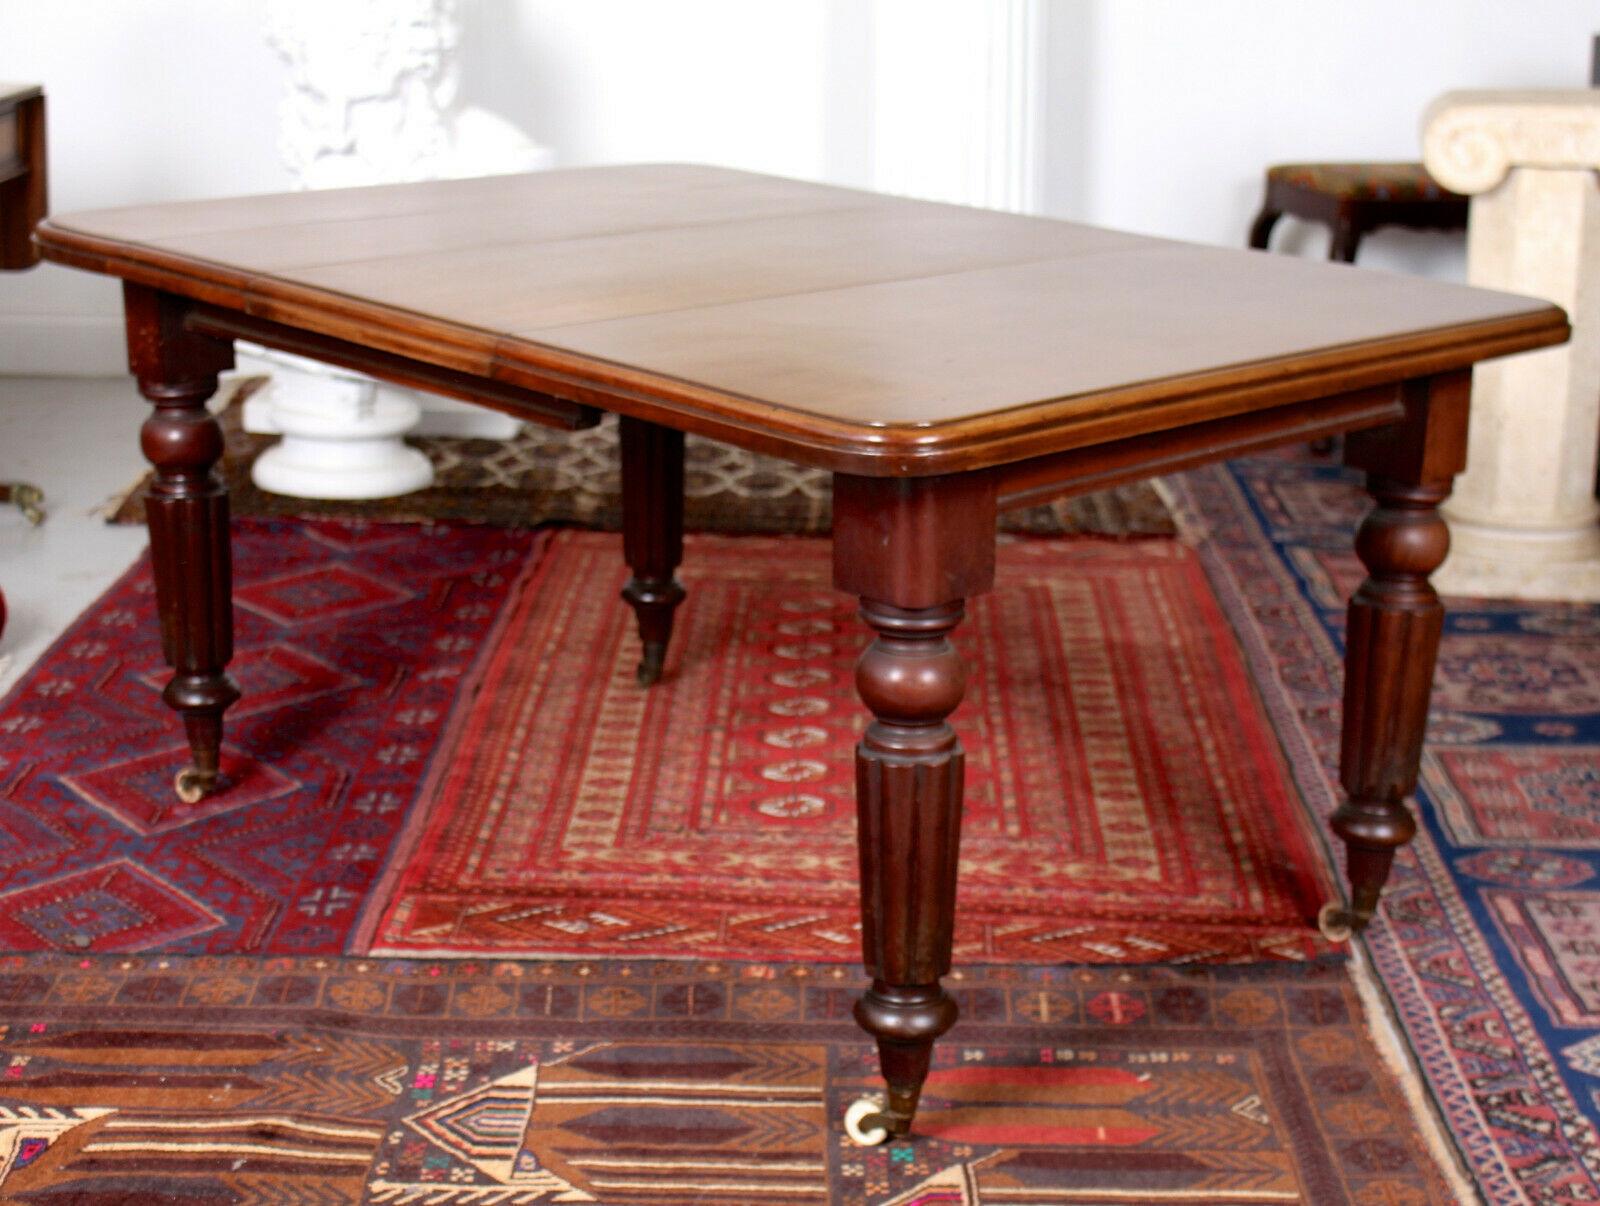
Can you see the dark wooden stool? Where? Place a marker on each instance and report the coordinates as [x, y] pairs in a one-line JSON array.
[[1355, 198]]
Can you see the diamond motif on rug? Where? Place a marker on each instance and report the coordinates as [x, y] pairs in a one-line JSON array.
[[26, 837], [1585, 1056], [324, 753], [269, 676], [117, 906], [315, 595], [138, 791]]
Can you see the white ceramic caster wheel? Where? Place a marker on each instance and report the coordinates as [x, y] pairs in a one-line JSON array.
[[191, 785], [860, 1112], [1331, 921]]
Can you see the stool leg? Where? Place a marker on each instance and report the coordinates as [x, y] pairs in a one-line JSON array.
[[1346, 240], [1261, 228]]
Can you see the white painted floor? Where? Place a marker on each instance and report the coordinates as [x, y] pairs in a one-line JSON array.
[[77, 439]]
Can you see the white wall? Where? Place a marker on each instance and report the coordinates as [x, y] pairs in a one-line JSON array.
[[1154, 115], [609, 81], [1187, 102], [147, 101]]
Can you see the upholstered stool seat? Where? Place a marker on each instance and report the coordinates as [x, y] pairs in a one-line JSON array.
[[1355, 198]]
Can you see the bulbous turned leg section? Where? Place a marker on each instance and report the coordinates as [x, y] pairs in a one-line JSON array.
[[652, 534], [909, 768], [1392, 642], [187, 510]]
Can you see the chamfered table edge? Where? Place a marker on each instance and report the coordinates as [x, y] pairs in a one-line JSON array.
[[994, 438]]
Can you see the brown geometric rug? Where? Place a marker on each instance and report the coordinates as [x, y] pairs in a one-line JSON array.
[[544, 476], [207, 1080]]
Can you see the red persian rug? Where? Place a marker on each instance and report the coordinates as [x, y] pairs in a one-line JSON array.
[[352, 642], [1126, 801]]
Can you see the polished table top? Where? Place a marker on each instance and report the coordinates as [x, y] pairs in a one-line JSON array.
[[870, 334]]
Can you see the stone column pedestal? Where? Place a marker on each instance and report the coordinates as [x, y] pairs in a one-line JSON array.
[[1523, 519]]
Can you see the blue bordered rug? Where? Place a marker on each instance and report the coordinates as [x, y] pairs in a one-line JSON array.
[[1489, 940]]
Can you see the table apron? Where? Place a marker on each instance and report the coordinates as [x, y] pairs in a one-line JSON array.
[[1021, 483], [546, 409], [1096, 467]]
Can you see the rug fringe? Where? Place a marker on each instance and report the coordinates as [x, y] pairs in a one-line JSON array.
[[1191, 525]]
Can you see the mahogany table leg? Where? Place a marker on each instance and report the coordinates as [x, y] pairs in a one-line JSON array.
[[187, 510], [652, 534], [912, 550], [1392, 637]]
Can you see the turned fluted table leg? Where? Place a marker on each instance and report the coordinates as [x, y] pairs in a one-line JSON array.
[[912, 550], [187, 512], [652, 534], [909, 768], [1392, 637]]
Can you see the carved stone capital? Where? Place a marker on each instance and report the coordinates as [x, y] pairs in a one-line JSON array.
[[1470, 140]]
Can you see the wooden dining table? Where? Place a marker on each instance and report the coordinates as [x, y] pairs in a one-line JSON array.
[[944, 363]]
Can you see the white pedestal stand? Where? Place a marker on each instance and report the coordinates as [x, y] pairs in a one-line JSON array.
[[341, 435], [372, 99], [1524, 522]]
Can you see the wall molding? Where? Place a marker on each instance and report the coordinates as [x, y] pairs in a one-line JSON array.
[[958, 101]]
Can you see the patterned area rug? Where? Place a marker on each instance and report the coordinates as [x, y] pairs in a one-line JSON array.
[[1489, 939], [545, 476], [313, 1080], [1125, 801], [353, 641]]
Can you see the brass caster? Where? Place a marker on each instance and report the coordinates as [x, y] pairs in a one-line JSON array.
[[650, 666], [193, 785], [864, 1122], [27, 499], [1334, 922]]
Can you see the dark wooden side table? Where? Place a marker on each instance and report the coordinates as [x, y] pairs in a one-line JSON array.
[[23, 199], [23, 181], [941, 361]]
